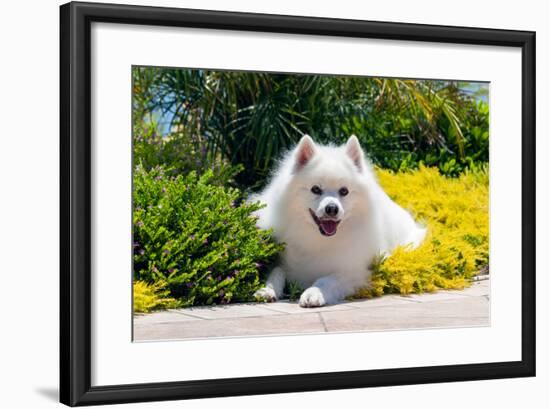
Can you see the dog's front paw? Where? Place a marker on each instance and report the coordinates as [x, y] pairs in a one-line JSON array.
[[312, 297], [266, 294]]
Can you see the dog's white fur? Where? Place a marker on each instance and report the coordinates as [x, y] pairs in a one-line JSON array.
[[370, 223]]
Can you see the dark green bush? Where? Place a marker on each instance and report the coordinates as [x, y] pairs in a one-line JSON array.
[[250, 118], [179, 153], [395, 140], [195, 237]]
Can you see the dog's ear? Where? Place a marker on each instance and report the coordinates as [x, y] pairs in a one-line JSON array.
[[304, 152], [354, 151]]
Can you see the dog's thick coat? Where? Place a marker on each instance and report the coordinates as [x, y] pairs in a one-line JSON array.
[[325, 203]]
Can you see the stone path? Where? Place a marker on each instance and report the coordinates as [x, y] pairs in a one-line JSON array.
[[443, 309]]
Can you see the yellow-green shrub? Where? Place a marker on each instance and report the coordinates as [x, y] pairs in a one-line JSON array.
[[456, 211], [149, 297]]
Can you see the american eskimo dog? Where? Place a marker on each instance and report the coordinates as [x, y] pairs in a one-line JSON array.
[[325, 203]]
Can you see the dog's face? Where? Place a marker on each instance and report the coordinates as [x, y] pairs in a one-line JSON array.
[[327, 183]]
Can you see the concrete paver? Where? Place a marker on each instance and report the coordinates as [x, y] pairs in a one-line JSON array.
[[227, 311], [289, 307], [466, 312], [231, 327], [443, 309]]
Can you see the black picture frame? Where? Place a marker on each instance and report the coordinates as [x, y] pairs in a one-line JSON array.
[[76, 198]]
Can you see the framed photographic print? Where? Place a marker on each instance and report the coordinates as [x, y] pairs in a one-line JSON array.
[[259, 204]]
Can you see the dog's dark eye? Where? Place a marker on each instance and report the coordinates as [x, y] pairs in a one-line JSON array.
[[343, 191], [316, 190]]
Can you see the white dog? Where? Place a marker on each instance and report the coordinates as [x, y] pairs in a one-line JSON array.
[[324, 202]]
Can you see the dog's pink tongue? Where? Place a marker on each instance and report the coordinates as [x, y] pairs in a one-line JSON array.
[[329, 227]]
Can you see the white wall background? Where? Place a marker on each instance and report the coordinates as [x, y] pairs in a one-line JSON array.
[[29, 109]]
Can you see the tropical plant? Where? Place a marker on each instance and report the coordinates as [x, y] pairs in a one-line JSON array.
[[251, 118]]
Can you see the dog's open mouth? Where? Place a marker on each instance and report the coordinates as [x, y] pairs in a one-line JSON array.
[[327, 227]]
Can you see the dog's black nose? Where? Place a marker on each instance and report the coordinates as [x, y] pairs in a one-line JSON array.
[[331, 210]]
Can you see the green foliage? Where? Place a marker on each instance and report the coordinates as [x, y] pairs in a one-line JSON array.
[[293, 289], [195, 238], [179, 153], [251, 118], [397, 138], [456, 211]]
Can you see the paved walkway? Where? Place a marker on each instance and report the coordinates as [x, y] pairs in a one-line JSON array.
[[466, 308]]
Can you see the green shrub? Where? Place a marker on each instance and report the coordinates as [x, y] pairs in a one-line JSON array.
[[197, 239]]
